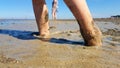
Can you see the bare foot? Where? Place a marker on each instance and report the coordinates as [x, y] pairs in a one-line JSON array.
[[42, 37], [92, 38]]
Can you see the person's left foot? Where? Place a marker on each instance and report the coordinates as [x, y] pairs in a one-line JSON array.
[[42, 37], [35, 33]]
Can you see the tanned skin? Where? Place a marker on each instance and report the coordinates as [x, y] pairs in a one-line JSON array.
[[90, 32]]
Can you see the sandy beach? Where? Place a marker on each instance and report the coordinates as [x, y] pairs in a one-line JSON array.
[[20, 49]]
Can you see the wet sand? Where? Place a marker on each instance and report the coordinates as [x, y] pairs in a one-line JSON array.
[[20, 49]]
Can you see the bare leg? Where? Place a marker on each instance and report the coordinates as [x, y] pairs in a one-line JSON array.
[[54, 9], [41, 14], [54, 14], [90, 33]]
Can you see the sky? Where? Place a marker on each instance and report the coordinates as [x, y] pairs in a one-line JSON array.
[[22, 9]]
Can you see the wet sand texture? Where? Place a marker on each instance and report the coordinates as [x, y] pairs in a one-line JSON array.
[[20, 49]]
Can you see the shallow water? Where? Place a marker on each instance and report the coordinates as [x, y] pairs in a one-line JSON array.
[[22, 29], [6, 22], [104, 26]]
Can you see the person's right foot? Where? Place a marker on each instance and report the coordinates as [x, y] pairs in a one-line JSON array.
[[92, 38]]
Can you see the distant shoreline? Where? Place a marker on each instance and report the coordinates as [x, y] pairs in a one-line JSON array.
[[95, 19]]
